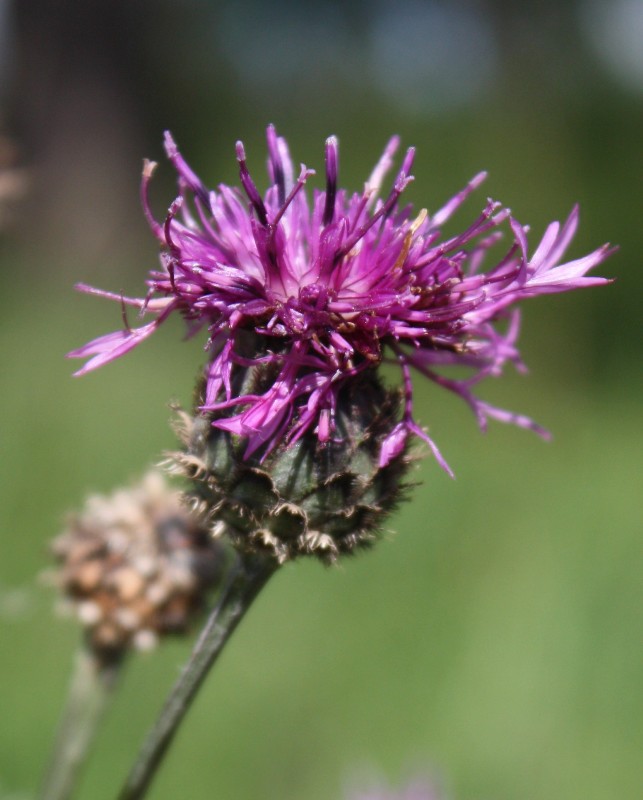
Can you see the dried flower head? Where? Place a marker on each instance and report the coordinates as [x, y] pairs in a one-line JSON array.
[[332, 288], [135, 565]]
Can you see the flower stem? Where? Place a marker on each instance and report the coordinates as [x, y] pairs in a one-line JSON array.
[[92, 684], [246, 580]]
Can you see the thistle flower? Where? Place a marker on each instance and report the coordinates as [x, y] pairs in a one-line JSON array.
[[318, 293], [135, 565]]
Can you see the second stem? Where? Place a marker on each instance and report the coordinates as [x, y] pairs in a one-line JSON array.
[[247, 579]]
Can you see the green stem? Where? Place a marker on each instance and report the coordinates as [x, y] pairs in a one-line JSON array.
[[245, 582], [91, 687]]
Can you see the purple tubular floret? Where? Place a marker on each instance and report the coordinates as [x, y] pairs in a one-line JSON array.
[[249, 186], [332, 158], [276, 166]]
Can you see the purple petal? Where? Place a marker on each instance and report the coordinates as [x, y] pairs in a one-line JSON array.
[[112, 345], [393, 445]]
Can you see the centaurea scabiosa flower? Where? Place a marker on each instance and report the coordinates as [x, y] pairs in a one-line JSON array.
[[336, 287], [310, 297], [295, 446]]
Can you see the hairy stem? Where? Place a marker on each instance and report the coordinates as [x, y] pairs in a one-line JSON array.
[[245, 582], [92, 684]]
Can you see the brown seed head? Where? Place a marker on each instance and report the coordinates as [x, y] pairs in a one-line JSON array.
[[136, 565]]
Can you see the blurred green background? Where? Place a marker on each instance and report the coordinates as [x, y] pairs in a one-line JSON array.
[[495, 639]]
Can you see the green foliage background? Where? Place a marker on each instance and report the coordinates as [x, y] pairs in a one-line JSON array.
[[495, 638]]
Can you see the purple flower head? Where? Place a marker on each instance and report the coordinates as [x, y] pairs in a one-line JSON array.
[[335, 285]]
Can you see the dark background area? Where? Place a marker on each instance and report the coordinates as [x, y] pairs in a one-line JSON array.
[[495, 640]]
